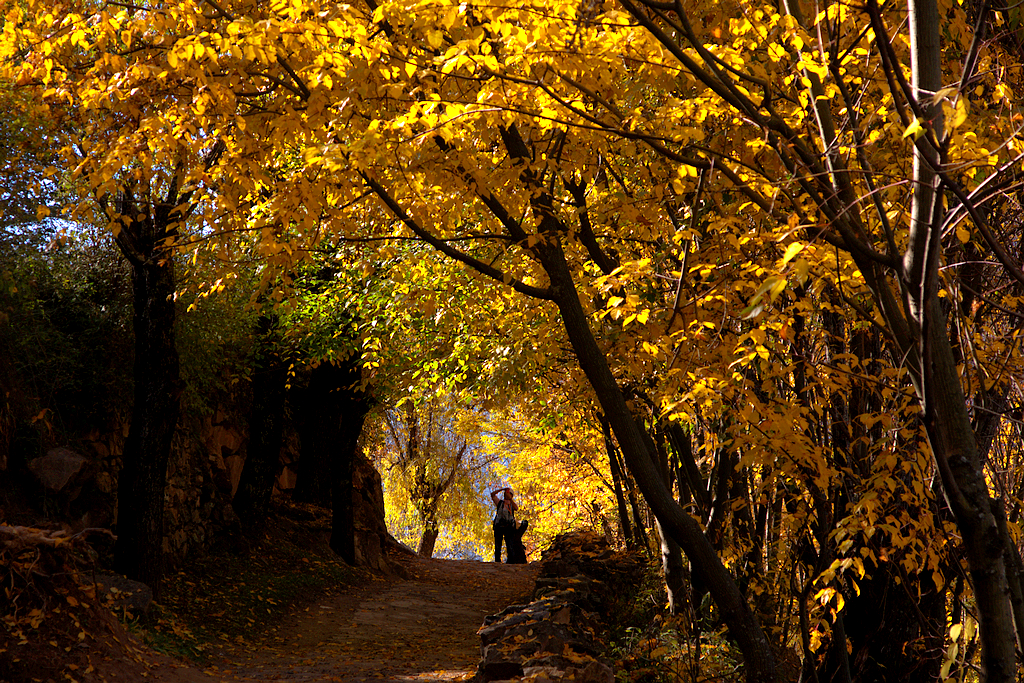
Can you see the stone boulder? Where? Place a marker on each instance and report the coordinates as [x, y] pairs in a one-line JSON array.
[[121, 594], [57, 468], [552, 633], [585, 563], [372, 537]]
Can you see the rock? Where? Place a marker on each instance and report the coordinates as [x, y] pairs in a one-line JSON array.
[[58, 467], [552, 661], [555, 637], [122, 593], [205, 464], [543, 674], [497, 630], [368, 515], [497, 664], [596, 672]]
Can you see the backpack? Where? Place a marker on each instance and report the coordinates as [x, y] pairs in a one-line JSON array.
[[504, 516]]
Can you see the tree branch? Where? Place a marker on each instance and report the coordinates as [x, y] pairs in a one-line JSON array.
[[448, 250]]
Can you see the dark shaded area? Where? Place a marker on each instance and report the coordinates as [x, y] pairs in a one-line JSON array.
[[266, 427], [138, 553]]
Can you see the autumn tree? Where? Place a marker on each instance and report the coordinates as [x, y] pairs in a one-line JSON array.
[[728, 208], [149, 188], [424, 445], [554, 461], [899, 266], [827, 161]]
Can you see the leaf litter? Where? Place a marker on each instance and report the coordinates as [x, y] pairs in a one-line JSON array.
[[253, 629]]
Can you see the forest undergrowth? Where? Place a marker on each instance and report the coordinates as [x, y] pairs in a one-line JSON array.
[[55, 624], [649, 644]]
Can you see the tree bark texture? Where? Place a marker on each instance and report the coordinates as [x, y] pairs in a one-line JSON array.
[[138, 553]]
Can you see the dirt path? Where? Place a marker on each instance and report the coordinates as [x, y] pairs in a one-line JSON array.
[[418, 629]]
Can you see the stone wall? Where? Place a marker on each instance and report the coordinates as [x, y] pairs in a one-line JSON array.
[[78, 485], [557, 637], [206, 457], [372, 537]]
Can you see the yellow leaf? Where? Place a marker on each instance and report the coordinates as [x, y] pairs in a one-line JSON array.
[[802, 269], [791, 251], [960, 114], [777, 288], [450, 17], [915, 128]]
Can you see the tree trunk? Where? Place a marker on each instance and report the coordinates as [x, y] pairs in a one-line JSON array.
[[639, 528], [138, 553], [673, 571], [938, 385], [682, 446], [620, 499], [721, 502], [146, 235], [1014, 573], [638, 450], [672, 568], [963, 481], [266, 424], [427, 541], [354, 403], [987, 429]]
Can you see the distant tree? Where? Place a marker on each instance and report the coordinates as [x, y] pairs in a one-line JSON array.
[[431, 448]]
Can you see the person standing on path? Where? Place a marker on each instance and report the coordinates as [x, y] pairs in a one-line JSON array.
[[504, 519]]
